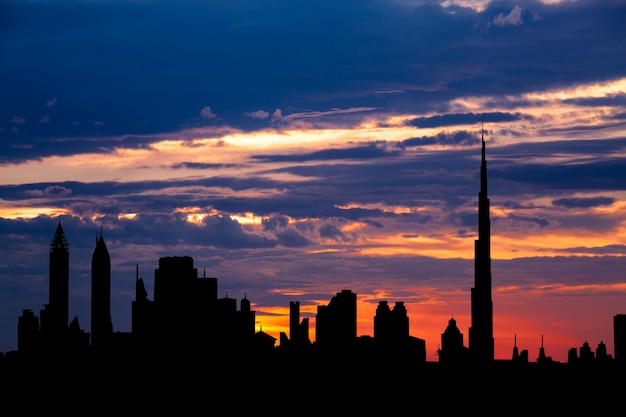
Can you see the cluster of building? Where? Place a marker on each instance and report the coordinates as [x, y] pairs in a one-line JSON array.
[[186, 318]]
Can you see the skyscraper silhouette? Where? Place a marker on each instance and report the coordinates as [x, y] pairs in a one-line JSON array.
[[54, 317], [481, 343], [619, 338], [335, 324], [101, 325]]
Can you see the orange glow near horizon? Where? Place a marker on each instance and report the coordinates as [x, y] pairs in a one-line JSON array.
[[516, 316], [11, 213]]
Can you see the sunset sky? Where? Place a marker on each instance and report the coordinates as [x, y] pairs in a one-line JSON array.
[[298, 148]]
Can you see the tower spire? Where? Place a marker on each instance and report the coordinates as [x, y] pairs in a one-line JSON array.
[[481, 341]]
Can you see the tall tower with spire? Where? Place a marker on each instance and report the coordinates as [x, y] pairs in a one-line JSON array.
[[481, 343], [101, 325], [54, 317]]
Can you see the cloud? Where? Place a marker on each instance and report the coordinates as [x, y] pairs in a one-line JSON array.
[[45, 119], [18, 120], [51, 191], [51, 102], [583, 202], [616, 249], [277, 115], [207, 113], [465, 119], [292, 239], [275, 222], [201, 165], [259, 114], [333, 232], [369, 151], [460, 138], [513, 18]]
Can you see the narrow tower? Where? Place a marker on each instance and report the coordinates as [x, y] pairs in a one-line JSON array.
[[481, 342], [101, 326], [55, 316]]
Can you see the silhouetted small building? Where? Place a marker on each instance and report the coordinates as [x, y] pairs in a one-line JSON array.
[[452, 350], [519, 357], [335, 324], [28, 335]]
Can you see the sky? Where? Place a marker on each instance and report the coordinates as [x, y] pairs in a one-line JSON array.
[[295, 149]]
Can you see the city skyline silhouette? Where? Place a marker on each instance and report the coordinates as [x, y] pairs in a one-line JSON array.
[[287, 205], [186, 333], [187, 316]]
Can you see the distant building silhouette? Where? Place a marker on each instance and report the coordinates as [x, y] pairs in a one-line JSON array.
[[452, 350], [481, 342], [543, 358], [391, 336], [187, 316], [28, 333], [391, 325], [54, 316], [143, 323], [101, 324], [585, 356], [298, 330], [335, 324], [50, 334], [519, 357], [619, 338]]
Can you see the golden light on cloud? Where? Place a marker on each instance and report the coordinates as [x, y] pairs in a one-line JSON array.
[[97, 216], [440, 247], [383, 207], [353, 227], [197, 215], [247, 219], [12, 213], [619, 287], [196, 218], [325, 250], [551, 112], [595, 90], [546, 244], [127, 216], [291, 292]]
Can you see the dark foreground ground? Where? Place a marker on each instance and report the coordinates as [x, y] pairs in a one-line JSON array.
[[324, 386]]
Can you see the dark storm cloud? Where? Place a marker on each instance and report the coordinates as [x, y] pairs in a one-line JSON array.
[[593, 165], [583, 202], [461, 138], [200, 165], [539, 221], [594, 176], [617, 100], [602, 250], [358, 152], [97, 69], [619, 116], [464, 119], [333, 232], [275, 222], [292, 239]]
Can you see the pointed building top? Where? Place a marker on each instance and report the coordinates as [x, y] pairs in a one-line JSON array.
[[59, 241]]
